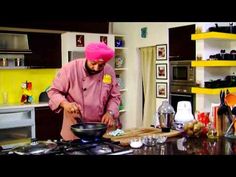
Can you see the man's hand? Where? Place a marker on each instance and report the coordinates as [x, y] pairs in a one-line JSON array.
[[108, 119], [72, 108]]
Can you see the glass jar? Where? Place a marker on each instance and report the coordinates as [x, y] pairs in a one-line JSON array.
[[166, 116]]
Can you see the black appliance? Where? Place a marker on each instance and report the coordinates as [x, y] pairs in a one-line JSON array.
[[182, 73]]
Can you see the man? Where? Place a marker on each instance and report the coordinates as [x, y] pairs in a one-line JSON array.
[[86, 88]]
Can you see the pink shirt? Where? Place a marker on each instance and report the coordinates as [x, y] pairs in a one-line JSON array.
[[95, 94]]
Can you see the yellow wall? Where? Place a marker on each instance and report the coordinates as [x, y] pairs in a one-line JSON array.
[[11, 80]]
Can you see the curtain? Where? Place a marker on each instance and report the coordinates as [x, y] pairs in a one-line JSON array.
[[148, 64]]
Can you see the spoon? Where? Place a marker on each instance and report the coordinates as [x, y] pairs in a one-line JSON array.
[[79, 120], [227, 132]]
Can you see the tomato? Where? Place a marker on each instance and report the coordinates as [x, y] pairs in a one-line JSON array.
[[204, 118]]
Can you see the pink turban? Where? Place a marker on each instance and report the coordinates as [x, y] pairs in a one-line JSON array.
[[96, 51]]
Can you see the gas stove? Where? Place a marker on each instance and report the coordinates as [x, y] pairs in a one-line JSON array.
[[97, 147], [103, 146]]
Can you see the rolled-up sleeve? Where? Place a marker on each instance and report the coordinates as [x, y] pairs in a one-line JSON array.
[[58, 90]]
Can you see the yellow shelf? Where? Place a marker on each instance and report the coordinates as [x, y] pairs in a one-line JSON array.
[[211, 91], [213, 35], [213, 63]]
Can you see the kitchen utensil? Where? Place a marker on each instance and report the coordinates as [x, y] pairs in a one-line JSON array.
[[223, 107], [35, 148], [184, 112], [43, 97], [234, 111], [231, 125], [230, 99], [89, 130], [130, 134], [166, 116]]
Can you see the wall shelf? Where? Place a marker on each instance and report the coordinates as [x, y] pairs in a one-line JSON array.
[[212, 91], [122, 110], [213, 63], [121, 48], [120, 69], [123, 90], [213, 35]]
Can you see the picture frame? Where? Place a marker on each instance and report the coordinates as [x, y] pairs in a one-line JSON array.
[[161, 71], [161, 52], [103, 39], [161, 90], [79, 40]]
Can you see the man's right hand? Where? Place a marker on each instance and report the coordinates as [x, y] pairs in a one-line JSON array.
[[72, 108]]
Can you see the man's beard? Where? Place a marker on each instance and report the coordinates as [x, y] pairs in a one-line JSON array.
[[90, 71]]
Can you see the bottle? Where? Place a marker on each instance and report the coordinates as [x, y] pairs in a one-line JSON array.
[[166, 116]]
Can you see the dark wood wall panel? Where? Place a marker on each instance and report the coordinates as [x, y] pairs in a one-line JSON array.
[[64, 24]]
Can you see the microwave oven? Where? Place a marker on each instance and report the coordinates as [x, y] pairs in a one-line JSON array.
[[182, 73]]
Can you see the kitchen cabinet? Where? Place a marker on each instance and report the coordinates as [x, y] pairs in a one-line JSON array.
[[17, 125], [46, 50], [58, 24], [181, 47], [47, 123], [120, 69]]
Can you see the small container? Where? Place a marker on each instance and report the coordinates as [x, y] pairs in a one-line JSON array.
[[3, 62], [18, 62], [119, 62], [136, 143], [161, 139], [149, 140]]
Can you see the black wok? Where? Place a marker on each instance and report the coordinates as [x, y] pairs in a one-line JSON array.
[[89, 130]]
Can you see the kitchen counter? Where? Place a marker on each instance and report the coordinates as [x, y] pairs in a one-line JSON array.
[[17, 106], [190, 146], [182, 146]]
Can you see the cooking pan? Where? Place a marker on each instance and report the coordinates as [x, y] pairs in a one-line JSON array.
[[89, 130]]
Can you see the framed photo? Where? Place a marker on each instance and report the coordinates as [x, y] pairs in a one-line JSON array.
[[103, 39], [79, 40], [161, 51], [161, 90], [161, 71]]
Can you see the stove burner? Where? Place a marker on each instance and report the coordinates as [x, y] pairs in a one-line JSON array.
[[90, 140]]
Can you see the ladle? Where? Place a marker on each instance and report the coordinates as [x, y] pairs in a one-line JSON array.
[[230, 99]]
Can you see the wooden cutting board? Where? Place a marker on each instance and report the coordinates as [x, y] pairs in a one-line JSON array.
[[139, 133]]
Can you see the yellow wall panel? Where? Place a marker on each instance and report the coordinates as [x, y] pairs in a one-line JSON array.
[[11, 80]]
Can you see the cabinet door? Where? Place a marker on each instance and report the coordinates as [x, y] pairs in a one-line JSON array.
[[47, 123], [181, 47], [46, 50]]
